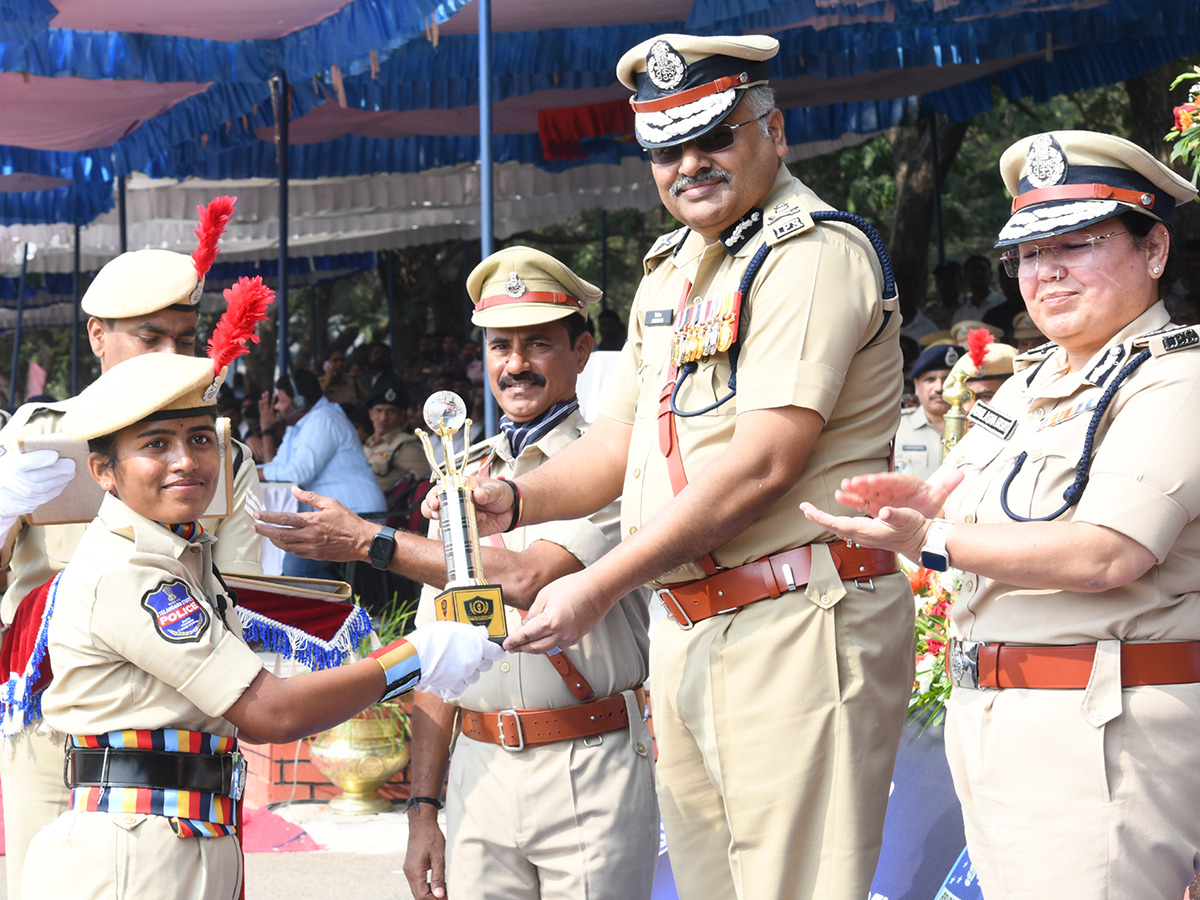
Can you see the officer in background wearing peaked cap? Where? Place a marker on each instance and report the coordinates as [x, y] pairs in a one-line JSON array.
[[393, 452], [788, 653], [918, 445], [550, 793], [143, 301], [1072, 507]]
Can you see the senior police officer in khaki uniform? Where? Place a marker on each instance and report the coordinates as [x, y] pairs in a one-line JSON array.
[[144, 301], [392, 452], [1072, 506], [918, 445], [779, 689], [551, 779]]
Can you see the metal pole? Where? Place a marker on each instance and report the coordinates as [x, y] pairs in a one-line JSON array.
[[486, 239], [393, 319], [12, 383], [604, 259], [75, 322], [937, 186], [124, 224], [281, 290]]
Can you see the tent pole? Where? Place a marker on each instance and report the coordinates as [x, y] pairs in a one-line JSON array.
[[281, 290], [486, 239], [393, 319], [124, 224], [12, 384], [937, 186], [75, 322]]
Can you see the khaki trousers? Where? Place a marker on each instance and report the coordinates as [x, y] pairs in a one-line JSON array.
[[31, 773], [564, 821], [777, 731], [1055, 806], [117, 856]]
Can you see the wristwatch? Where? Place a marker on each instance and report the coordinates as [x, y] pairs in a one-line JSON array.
[[933, 554], [383, 545]]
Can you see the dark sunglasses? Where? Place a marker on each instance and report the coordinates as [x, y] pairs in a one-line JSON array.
[[714, 141]]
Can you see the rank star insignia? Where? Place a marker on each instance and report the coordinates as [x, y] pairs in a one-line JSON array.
[[1045, 162], [664, 66], [514, 287]]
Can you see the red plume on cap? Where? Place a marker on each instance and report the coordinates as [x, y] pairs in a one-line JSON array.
[[212, 224], [248, 300], [978, 340]]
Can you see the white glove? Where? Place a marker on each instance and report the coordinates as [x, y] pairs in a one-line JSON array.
[[27, 480], [452, 656]]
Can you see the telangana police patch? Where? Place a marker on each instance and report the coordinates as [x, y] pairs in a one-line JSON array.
[[178, 616]]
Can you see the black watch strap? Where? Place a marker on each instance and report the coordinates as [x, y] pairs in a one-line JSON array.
[[414, 802], [383, 545]]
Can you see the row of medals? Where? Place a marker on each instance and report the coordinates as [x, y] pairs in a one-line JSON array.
[[705, 328]]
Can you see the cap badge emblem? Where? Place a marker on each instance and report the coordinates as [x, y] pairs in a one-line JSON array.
[[210, 394], [514, 287], [389, 395], [664, 66], [1045, 162], [951, 356]]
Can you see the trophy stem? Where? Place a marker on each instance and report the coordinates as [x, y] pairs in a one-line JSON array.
[[460, 537]]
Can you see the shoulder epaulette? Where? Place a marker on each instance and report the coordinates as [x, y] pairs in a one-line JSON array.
[[785, 219], [1168, 340], [665, 243]]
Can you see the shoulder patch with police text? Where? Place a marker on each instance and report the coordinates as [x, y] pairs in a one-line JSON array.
[[1170, 341], [785, 219], [179, 617]]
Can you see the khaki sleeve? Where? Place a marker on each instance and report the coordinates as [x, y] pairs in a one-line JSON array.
[[238, 549], [820, 301], [621, 391], [1144, 483], [409, 459]]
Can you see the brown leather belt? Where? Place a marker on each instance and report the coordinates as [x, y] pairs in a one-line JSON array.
[[693, 601], [1068, 667], [516, 729]]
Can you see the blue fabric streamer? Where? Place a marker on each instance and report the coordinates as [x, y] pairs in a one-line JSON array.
[[19, 708], [292, 643]]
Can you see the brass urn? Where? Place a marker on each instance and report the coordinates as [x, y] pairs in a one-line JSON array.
[[361, 755]]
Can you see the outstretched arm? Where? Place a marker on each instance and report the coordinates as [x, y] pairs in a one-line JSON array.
[[425, 860]]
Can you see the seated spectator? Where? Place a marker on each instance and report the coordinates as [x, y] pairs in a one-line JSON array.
[[392, 452], [473, 355], [320, 452], [379, 366], [947, 282], [1013, 305], [612, 330], [979, 296], [914, 324], [1025, 334], [337, 383]]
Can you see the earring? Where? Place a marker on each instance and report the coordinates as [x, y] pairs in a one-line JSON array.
[[1157, 269]]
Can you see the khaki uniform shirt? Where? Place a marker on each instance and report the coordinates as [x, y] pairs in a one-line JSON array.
[[395, 455], [1144, 483], [613, 655], [35, 553], [810, 336], [918, 444], [135, 636]]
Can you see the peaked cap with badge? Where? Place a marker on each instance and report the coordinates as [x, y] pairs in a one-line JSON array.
[[686, 85], [1062, 181], [141, 282], [939, 356], [519, 286], [388, 394]]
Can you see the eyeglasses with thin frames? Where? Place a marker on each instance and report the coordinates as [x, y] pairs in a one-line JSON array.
[[714, 141], [1077, 254]]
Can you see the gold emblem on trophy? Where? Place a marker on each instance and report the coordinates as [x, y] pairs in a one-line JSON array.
[[468, 597]]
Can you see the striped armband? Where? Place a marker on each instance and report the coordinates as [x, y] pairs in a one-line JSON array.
[[401, 667]]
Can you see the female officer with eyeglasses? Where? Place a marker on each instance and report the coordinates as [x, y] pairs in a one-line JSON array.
[[1071, 507]]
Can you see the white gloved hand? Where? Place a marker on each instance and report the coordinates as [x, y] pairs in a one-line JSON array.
[[452, 656], [27, 480]]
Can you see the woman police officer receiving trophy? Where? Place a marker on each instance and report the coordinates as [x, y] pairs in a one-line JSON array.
[[1072, 508], [153, 681]]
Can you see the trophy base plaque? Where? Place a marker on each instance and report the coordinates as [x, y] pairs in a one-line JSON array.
[[475, 604]]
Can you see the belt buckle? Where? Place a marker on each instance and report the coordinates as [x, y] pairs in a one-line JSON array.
[[676, 613], [237, 777], [520, 745], [964, 663]]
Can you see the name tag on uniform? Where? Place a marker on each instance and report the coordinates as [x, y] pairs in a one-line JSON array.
[[660, 316], [992, 420], [913, 448]]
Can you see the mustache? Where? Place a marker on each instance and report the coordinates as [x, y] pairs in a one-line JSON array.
[[708, 176], [507, 381]]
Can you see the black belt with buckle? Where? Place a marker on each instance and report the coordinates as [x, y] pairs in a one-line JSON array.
[[159, 769]]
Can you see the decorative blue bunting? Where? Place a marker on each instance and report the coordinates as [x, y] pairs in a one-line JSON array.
[[292, 643]]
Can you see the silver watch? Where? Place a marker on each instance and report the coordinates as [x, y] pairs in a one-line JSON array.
[[933, 554]]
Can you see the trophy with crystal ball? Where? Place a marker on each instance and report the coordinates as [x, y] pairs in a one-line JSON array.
[[468, 597]]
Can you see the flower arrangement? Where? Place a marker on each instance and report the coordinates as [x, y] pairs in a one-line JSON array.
[[935, 593], [1186, 133]]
